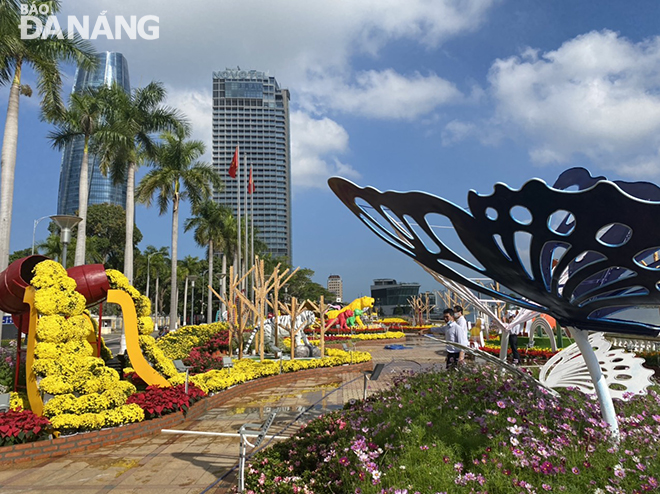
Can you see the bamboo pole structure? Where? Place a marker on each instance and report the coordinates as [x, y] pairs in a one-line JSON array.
[[293, 311], [321, 308], [235, 313]]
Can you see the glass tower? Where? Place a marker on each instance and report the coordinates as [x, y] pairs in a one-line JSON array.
[[112, 68], [251, 111]]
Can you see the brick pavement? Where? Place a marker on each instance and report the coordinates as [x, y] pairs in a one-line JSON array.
[[186, 464]]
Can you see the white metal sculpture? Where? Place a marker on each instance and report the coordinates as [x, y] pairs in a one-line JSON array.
[[622, 371]]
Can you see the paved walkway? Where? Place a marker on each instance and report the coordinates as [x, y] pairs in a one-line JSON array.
[[188, 464]]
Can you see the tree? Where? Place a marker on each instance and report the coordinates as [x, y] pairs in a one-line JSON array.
[[134, 119], [106, 230], [210, 223], [43, 54], [52, 247], [177, 175], [157, 262], [81, 120], [20, 254], [300, 285]]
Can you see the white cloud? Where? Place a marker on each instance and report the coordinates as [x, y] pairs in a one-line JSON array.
[[315, 144], [197, 106], [597, 95], [456, 131], [293, 37], [383, 95]]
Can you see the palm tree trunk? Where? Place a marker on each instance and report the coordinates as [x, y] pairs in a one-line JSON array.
[[209, 298], [174, 301], [8, 166], [130, 222], [83, 197]]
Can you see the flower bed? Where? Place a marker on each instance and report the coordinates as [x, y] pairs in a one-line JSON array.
[[156, 402], [474, 431], [534, 353], [22, 426]]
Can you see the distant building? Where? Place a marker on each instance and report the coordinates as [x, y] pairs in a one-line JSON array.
[[251, 111], [336, 286], [391, 298], [111, 69]]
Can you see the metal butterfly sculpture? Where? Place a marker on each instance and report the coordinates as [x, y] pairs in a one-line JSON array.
[[592, 253]]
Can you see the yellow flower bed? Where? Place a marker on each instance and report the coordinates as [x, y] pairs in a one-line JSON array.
[[392, 320], [177, 344], [247, 369], [86, 394], [389, 335]]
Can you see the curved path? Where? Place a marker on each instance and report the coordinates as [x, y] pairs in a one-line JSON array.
[[186, 464]]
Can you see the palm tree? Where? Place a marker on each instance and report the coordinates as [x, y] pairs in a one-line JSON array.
[[177, 175], [43, 55], [134, 120], [81, 120], [210, 223]]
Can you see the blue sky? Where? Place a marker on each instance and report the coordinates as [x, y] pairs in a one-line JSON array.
[[439, 96]]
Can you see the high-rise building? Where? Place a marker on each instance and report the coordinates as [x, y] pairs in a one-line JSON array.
[[336, 286], [251, 111], [112, 68]]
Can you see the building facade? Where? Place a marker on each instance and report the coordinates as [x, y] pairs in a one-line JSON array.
[[391, 298], [251, 111], [112, 69], [336, 286]]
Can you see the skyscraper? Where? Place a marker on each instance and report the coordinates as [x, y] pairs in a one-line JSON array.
[[112, 68], [336, 286], [251, 111]]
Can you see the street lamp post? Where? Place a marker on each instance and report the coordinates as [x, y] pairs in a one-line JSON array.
[[34, 230], [192, 299], [148, 272], [66, 223]]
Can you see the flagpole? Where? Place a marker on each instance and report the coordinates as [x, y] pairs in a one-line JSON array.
[[238, 215], [252, 189], [247, 257]]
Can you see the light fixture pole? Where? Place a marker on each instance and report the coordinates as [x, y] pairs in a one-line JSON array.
[[192, 299], [66, 223], [148, 271], [34, 230]]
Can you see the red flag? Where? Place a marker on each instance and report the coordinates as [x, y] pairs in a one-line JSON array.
[[250, 184], [233, 168]]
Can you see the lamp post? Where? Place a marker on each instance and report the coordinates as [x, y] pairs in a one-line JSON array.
[[192, 299], [34, 230], [66, 223], [208, 317], [148, 271]]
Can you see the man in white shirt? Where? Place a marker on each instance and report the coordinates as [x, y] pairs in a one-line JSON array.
[[462, 323], [453, 334]]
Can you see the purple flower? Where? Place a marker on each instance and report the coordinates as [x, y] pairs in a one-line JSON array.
[[575, 470]]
